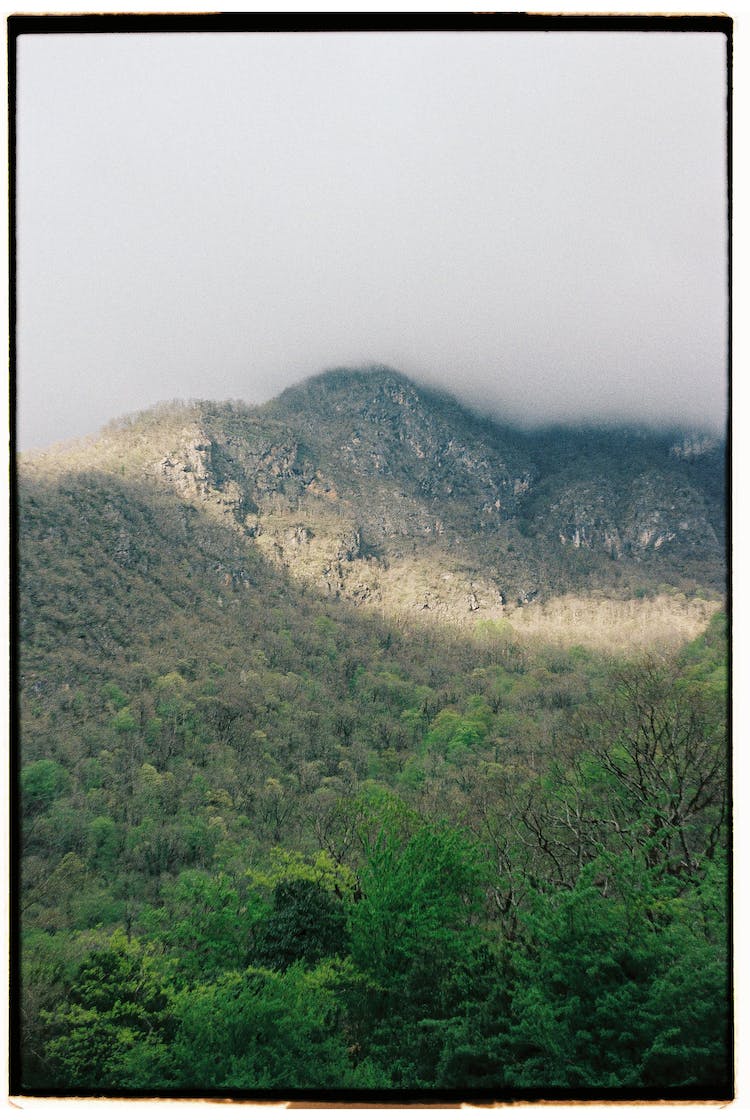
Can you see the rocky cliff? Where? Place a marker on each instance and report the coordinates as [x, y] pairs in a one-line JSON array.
[[367, 487]]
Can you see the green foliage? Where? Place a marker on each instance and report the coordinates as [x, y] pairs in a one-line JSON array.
[[112, 1030], [104, 842], [123, 721], [456, 736], [204, 926], [259, 1029], [319, 868], [41, 783], [599, 974], [115, 695], [413, 941], [307, 923]]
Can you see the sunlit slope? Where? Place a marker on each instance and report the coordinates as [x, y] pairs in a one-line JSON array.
[[364, 487]]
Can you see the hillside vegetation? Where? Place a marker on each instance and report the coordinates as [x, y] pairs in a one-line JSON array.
[[283, 836]]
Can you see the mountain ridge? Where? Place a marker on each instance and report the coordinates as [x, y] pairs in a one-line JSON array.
[[369, 487]]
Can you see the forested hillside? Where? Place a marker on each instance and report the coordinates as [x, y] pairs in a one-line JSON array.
[[282, 836]]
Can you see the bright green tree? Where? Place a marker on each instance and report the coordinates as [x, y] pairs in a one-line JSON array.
[[261, 1030], [112, 1030], [414, 940]]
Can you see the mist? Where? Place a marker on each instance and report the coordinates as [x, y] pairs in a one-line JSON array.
[[536, 222]]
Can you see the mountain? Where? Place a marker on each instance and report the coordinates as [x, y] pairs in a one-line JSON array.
[[364, 486], [336, 716]]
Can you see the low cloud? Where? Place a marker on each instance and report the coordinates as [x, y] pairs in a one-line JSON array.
[[536, 222]]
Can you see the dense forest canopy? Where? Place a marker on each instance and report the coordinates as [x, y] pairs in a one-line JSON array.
[[278, 836]]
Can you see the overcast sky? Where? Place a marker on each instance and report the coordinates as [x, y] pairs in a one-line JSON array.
[[536, 221]]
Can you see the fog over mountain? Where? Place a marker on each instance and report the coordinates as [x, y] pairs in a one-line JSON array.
[[534, 221]]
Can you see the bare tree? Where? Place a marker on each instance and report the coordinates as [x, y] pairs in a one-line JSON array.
[[643, 770]]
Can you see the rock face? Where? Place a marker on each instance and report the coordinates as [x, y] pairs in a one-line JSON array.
[[655, 510], [368, 487], [695, 446], [414, 462]]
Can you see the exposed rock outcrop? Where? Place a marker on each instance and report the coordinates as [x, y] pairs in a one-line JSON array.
[[370, 488]]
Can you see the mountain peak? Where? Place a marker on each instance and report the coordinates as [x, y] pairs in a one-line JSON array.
[[372, 467], [341, 383]]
